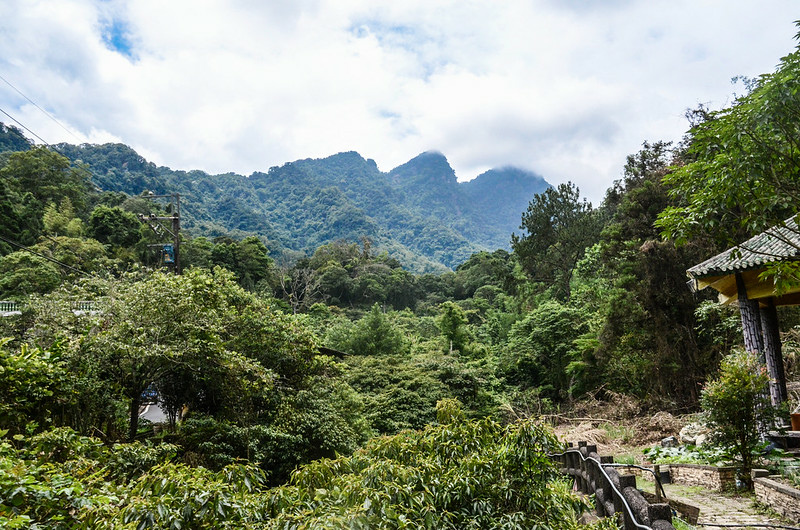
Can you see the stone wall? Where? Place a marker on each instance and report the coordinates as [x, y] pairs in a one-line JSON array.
[[709, 477], [782, 498]]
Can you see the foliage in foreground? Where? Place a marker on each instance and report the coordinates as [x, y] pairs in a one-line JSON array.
[[461, 475]]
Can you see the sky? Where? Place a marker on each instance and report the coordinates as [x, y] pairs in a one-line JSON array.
[[564, 88]]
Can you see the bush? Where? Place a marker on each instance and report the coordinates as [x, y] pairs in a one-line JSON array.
[[737, 406], [467, 474]]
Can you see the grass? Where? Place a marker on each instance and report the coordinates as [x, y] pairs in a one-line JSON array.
[[681, 489], [628, 458], [791, 472], [680, 524], [615, 431]]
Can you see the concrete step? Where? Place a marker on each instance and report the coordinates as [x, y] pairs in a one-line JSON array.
[[787, 440]]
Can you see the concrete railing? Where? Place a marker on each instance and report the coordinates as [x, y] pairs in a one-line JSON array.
[[84, 306], [7, 307], [10, 308], [615, 494]]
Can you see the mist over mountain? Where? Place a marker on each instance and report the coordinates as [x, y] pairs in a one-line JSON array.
[[418, 212]]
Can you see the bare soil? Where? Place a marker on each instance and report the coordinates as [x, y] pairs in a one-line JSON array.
[[618, 426]]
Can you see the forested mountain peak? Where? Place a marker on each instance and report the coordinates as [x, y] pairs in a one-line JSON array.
[[506, 175], [418, 212], [506, 191], [427, 167]]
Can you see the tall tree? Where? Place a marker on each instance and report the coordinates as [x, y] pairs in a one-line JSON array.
[[646, 330], [452, 322], [542, 348], [559, 227], [170, 325]]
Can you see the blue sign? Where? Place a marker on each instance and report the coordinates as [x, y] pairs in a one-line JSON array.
[[169, 254]]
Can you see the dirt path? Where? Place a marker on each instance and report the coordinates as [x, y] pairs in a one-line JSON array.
[[716, 508]]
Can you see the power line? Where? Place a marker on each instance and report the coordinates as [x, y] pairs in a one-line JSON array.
[[48, 258], [20, 124], [53, 147], [41, 109]]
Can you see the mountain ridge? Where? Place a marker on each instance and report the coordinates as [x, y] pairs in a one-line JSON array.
[[418, 212]]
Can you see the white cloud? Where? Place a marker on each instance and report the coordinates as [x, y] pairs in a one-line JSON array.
[[566, 89]]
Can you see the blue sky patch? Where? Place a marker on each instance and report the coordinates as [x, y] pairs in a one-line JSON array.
[[117, 38]]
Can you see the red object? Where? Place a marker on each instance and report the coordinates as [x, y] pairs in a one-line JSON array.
[[795, 421]]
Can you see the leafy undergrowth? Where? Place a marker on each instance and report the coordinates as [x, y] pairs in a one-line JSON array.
[[466, 474], [688, 454]]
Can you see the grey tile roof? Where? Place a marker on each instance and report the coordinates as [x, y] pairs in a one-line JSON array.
[[779, 243]]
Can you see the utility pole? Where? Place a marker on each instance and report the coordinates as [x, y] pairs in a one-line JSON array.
[[170, 253]]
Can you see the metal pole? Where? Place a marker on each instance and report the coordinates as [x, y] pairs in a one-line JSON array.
[[176, 231]]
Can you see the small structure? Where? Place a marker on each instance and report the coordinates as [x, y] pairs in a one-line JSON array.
[[168, 254], [739, 275]]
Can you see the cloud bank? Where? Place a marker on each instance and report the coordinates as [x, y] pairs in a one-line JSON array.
[[563, 88]]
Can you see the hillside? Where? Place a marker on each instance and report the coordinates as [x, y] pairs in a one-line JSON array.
[[418, 212]]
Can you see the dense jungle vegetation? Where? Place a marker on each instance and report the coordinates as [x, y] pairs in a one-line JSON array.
[[338, 388]]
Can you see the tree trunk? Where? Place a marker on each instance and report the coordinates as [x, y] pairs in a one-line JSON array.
[[133, 426], [751, 320], [753, 336], [773, 354]]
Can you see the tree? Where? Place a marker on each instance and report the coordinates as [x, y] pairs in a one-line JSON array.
[[559, 227], [77, 253], [196, 252], [485, 269], [374, 334], [114, 226], [255, 265], [645, 317], [32, 180], [47, 176], [23, 273], [12, 220], [402, 290], [62, 220], [335, 284], [742, 173], [452, 322], [31, 382], [542, 349], [169, 325], [737, 406], [248, 259], [300, 285]]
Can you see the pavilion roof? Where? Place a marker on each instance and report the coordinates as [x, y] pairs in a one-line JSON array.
[[779, 243]]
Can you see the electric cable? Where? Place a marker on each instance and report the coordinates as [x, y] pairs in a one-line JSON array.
[[20, 124], [91, 173], [41, 109], [48, 258]]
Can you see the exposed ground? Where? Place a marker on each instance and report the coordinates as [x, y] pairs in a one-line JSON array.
[[618, 427]]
